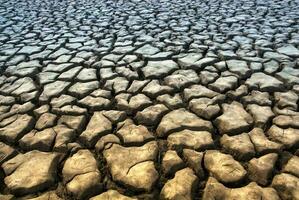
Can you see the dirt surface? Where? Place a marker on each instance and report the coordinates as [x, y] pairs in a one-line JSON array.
[[173, 100]]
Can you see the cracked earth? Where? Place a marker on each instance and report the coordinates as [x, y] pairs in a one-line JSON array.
[[157, 99]]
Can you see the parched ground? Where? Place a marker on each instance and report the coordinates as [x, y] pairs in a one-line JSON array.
[[152, 99]]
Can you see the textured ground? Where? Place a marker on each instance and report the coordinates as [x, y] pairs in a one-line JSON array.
[[176, 100]]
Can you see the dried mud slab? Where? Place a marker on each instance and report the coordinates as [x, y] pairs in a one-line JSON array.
[[130, 99]]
